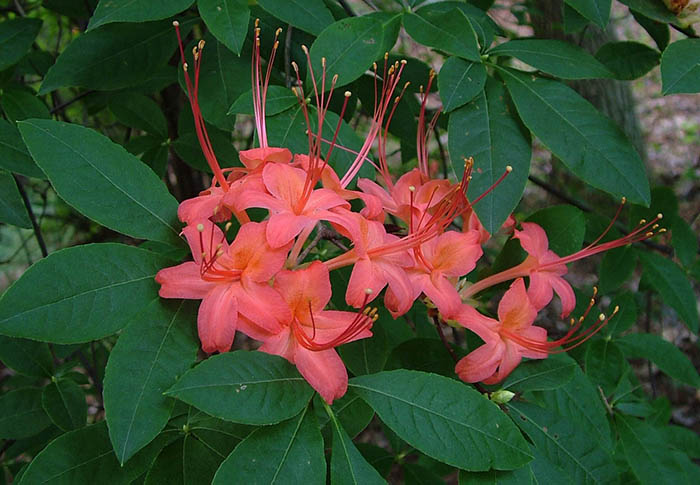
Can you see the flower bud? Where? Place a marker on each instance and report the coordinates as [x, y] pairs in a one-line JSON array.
[[501, 396]]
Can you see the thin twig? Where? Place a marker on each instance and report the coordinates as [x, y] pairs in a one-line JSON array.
[[65, 104], [92, 372], [314, 242], [32, 218], [438, 326]]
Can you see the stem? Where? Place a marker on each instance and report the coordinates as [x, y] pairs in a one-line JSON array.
[[438, 326], [32, 218], [65, 104]]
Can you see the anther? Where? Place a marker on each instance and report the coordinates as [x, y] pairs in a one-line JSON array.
[[369, 291], [323, 62], [404, 62], [509, 168], [348, 94], [642, 221], [663, 229], [412, 188], [624, 200], [659, 215], [304, 48], [200, 227], [201, 44], [176, 23], [601, 317], [278, 31], [257, 23], [335, 78]]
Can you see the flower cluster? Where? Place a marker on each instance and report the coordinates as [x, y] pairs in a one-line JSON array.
[[261, 285]]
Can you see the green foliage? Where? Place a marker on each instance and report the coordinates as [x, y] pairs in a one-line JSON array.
[[680, 67]]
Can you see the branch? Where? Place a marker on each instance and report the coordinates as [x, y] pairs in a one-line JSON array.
[[32, 218], [64, 105]]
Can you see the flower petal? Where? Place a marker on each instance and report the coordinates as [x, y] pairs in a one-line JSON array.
[[263, 305], [251, 253], [255, 157], [285, 226], [565, 292], [533, 239], [515, 310], [217, 318], [284, 182], [455, 253], [306, 287], [365, 275], [183, 281], [324, 370], [511, 359], [481, 363]]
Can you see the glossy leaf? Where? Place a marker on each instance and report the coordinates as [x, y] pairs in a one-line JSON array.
[[109, 11], [521, 476], [350, 46], [644, 448], [102, 180], [368, 355], [616, 267], [556, 57], [487, 130], [113, 57], [348, 466], [565, 226], [227, 20], [662, 353], [16, 37], [459, 82], [628, 60], [21, 414], [605, 364], [187, 461], [311, 16], [12, 209], [684, 241], [680, 67], [244, 387], [541, 375], [484, 27], [626, 316], [152, 352], [20, 104], [352, 412], [291, 451], [278, 99], [597, 11], [588, 143], [565, 442], [672, 284], [64, 402], [103, 287], [14, 156], [659, 31], [82, 455], [652, 9], [444, 419], [27, 357], [139, 111], [451, 32]]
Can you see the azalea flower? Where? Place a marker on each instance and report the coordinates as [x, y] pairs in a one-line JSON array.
[[309, 334], [231, 281]]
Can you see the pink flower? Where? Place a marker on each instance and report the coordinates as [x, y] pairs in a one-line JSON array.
[[505, 339], [231, 281], [309, 333]]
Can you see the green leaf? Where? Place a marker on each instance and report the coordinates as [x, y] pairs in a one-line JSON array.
[[368, 355], [616, 268], [187, 145], [244, 387], [227, 20], [444, 419], [573, 21], [566, 443], [565, 226], [27, 357], [681, 439], [311, 16], [186, 461], [588, 143], [680, 67], [20, 104], [643, 445], [684, 241], [155, 349], [487, 130], [628, 60], [348, 466], [102, 180], [625, 317], [541, 375], [140, 112], [114, 57], [221, 81], [597, 11], [16, 37], [556, 57], [12, 209], [459, 82], [102, 287], [521, 476], [579, 402], [451, 32], [291, 451], [353, 413], [662, 353], [673, 285], [652, 9], [423, 354], [605, 364], [13, 154], [109, 11], [278, 99], [21, 414], [81, 456], [484, 27], [658, 31], [64, 402], [350, 46]]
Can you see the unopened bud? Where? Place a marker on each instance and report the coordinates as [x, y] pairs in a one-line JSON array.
[[501, 396]]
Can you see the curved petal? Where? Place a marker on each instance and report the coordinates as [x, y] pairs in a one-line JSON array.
[[372, 188], [563, 289], [217, 318], [534, 334], [324, 370], [485, 327], [282, 344], [515, 310], [263, 305], [533, 239], [285, 226], [511, 359], [183, 281], [251, 253], [205, 241], [202, 207], [480, 364], [456, 253], [400, 285], [443, 294], [540, 289], [306, 287], [255, 157], [365, 275], [323, 199], [331, 324], [284, 182]]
